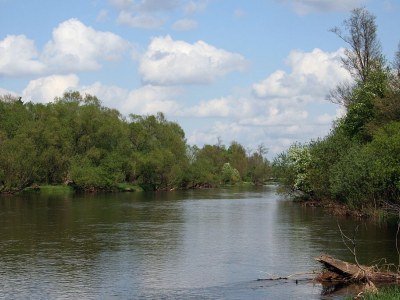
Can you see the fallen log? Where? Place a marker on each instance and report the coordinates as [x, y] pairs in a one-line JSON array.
[[341, 271]]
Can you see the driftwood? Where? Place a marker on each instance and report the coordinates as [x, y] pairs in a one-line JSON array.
[[341, 271]]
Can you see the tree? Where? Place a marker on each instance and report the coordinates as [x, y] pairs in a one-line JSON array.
[[292, 169], [364, 53], [258, 170], [160, 152], [341, 94], [237, 158], [325, 153], [396, 62]]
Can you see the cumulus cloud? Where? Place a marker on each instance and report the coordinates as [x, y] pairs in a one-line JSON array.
[[45, 89], [73, 47], [184, 25], [110, 95], [77, 47], [312, 75], [303, 7], [169, 62], [19, 56], [222, 107], [227, 131], [151, 99], [283, 108], [145, 100]]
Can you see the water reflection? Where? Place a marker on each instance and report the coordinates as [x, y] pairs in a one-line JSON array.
[[207, 244]]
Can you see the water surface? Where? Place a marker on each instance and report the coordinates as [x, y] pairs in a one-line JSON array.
[[208, 244]]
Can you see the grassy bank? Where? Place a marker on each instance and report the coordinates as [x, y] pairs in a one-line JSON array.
[[66, 189], [384, 293]]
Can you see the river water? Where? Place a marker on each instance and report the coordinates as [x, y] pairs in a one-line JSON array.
[[206, 244]]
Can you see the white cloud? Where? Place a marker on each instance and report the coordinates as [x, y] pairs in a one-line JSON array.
[[151, 99], [277, 116], [184, 25], [223, 107], [145, 21], [312, 75], [111, 96], [169, 62], [193, 7], [19, 56], [282, 109], [153, 14], [303, 7], [45, 89], [147, 99], [76, 47], [276, 139], [145, 14], [325, 119], [227, 131], [7, 92]]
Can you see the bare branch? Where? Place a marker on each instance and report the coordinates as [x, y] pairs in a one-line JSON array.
[[364, 52], [341, 94]]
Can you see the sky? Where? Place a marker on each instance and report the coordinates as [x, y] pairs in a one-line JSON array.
[[255, 72]]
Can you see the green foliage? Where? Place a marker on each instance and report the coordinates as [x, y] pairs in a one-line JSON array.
[[358, 163], [161, 159], [350, 178], [362, 111], [236, 156], [77, 141], [229, 174], [258, 168], [299, 159], [325, 154], [383, 153], [214, 164], [292, 168]]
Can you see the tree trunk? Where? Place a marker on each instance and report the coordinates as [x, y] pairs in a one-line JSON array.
[[341, 271]]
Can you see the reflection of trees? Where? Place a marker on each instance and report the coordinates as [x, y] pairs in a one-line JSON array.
[[68, 233], [318, 229]]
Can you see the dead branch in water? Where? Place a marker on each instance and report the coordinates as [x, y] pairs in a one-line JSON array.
[[341, 271], [289, 276]]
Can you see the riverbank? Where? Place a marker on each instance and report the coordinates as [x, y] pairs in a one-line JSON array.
[[384, 293], [337, 209], [120, 187], [343, 210], [69, 189]]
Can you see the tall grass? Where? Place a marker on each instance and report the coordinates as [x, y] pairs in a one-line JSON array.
[[384, 293]]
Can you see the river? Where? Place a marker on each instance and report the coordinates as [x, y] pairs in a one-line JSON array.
[[204, 244]]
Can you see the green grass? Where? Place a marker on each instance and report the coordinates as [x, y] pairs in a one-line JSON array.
[[384, 293]]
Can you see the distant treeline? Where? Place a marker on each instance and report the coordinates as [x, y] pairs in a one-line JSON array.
[[358, 163], [77, 141]]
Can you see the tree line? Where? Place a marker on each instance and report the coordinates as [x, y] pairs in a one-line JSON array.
[[358, 163], [75, 140]]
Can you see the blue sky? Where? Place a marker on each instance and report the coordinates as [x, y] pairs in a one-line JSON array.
[[248, 71]]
